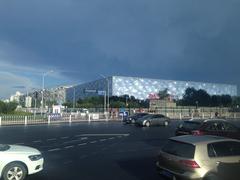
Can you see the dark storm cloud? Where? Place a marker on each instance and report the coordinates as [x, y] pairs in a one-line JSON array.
[[172, 39]]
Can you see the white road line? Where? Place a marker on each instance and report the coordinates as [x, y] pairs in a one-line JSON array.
[[68, 147], [82, 144], [111, 138], [37, 141], [66, 137], [102, 140], [84, 138], [66, 142], [52, 139], [19, 143], [92, 142], [119, 136], [51, 150], [105, 134]]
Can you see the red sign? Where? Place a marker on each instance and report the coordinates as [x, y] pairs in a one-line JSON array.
[[153, 96]]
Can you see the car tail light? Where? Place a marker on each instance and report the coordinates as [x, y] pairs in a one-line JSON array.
[[197, 133], [190, 163]]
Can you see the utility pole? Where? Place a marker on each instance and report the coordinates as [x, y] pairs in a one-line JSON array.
[[43, 83]]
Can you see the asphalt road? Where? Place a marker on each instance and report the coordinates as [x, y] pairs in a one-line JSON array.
[[100, 150], [103, 150]]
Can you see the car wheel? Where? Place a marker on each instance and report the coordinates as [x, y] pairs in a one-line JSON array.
[[166, 123], [133, 121], [147, 124], [211, 177], [14, 171]]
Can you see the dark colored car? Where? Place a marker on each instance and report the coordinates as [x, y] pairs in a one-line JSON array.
[[133, 118], [153, 120], [217, 127]]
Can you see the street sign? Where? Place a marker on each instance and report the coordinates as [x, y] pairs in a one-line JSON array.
[[122, 110], [90, 90], [101, 93]]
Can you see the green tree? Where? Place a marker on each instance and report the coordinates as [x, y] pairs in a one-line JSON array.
[[236, 101], [226, 100], [163, 94], [200, 97], [6, 108]]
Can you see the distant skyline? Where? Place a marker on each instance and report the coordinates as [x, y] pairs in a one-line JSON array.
[[79, 40]]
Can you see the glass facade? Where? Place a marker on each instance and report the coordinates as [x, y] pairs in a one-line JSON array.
[[140, 88]]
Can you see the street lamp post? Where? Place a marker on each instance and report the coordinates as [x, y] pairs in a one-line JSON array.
[[74, 97], [43, 83], [107, 91]]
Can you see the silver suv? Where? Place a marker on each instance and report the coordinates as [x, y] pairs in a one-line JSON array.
[[200, 157]]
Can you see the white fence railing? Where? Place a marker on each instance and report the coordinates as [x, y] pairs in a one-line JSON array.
[[55, 118], [91, 117]]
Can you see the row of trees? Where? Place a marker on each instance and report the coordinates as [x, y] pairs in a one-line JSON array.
[[115, 102], [7, 108], [193, 97]]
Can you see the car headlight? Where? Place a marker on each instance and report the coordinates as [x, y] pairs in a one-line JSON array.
[[35, 157]]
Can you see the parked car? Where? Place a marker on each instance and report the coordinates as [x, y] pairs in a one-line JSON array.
[[200, 157], [153, 120], [16, 162], [217, 127], [133, 118]]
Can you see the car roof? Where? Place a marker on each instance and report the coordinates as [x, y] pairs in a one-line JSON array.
[[206, 139], [205, 120]]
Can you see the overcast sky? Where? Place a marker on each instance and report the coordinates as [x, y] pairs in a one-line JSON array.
[[195, 40]]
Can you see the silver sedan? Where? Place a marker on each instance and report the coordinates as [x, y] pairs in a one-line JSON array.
[[153, 120]]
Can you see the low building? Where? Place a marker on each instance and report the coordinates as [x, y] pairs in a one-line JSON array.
[[158, 103], [16, 97], [28, 101]]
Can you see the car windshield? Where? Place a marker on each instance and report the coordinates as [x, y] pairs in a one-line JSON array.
[[4, 147], [179, 149], [190, 125]]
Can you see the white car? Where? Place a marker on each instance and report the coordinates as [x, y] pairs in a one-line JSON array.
[[16, 162]]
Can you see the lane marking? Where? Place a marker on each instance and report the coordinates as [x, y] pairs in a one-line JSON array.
[[65, 137], [52, 150], [52, 139], [84, 138], [67, 142], [82, 144], [68, 147], [92, 142], [103, 140], [37, 141], [105, 134], [111, 138]]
